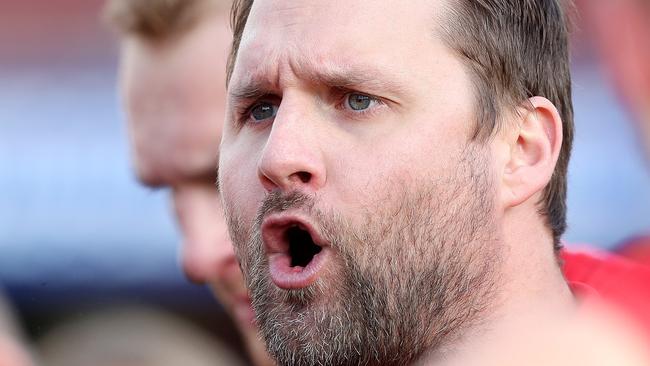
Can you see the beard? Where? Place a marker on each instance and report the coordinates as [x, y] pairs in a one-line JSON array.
[[409, 275]]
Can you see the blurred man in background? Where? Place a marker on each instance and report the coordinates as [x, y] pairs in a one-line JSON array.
[[172, 78]]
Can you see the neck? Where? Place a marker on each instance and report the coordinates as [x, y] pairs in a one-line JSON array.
[[531, 295]]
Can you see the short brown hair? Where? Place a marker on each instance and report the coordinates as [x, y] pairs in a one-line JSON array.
[[517, 49], [158, 19], [514, 49]]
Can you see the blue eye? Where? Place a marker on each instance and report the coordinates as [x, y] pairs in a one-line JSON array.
[[359, 102], [263, 111]]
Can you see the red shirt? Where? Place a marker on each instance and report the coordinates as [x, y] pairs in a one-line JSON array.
[[616, 280], [636, 249]]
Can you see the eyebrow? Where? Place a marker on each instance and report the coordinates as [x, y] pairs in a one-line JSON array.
[[249, 90], [363, 77]]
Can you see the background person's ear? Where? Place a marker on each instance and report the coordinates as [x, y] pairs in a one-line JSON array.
[[534, 149]]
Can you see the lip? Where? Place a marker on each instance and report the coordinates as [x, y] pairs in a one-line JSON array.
[[282, 274]]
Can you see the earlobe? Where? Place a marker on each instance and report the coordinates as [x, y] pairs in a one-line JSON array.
[[534, 150]]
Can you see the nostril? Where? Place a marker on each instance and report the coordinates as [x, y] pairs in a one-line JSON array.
[[304, 177]]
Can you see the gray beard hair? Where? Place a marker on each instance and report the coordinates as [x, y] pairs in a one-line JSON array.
[[412, 277]]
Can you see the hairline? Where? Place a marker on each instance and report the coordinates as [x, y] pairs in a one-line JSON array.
[[197, 11]]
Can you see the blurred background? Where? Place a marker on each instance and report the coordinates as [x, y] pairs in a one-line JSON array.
[[77, 231]]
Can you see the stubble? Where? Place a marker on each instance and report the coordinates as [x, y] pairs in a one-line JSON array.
[[410, 275]]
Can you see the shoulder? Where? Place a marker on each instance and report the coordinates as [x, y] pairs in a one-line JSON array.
[[611, 278]]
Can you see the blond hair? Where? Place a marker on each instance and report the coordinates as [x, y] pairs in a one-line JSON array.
[[159, 19]]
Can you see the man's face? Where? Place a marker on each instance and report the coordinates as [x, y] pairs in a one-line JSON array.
[[360, 210], [174, 95]]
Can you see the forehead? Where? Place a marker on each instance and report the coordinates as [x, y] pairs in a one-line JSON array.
[[174, 92], [335, 33], [203, 48]]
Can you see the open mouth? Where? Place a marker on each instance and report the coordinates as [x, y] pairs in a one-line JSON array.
[[302, 248], [295, 251]]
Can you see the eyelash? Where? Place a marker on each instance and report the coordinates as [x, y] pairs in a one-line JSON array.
[[341, 97], [244, 111]]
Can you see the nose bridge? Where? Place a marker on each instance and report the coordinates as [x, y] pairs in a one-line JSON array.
[[292, 157]]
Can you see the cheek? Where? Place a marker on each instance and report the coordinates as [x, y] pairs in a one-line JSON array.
[[241, 190], [373, 171], [196, 151]]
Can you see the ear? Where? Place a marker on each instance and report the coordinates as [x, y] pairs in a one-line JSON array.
[[534, 147]]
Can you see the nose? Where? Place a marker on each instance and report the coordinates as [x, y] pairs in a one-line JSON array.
[[206, 251], [292, 158]]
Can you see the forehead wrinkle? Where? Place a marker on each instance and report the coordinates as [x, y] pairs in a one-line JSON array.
[[290, 13], [337, 72], [316, 70]]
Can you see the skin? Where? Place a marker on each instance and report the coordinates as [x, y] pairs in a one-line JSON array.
[[294, 62], [173, 93], [13, 353]]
